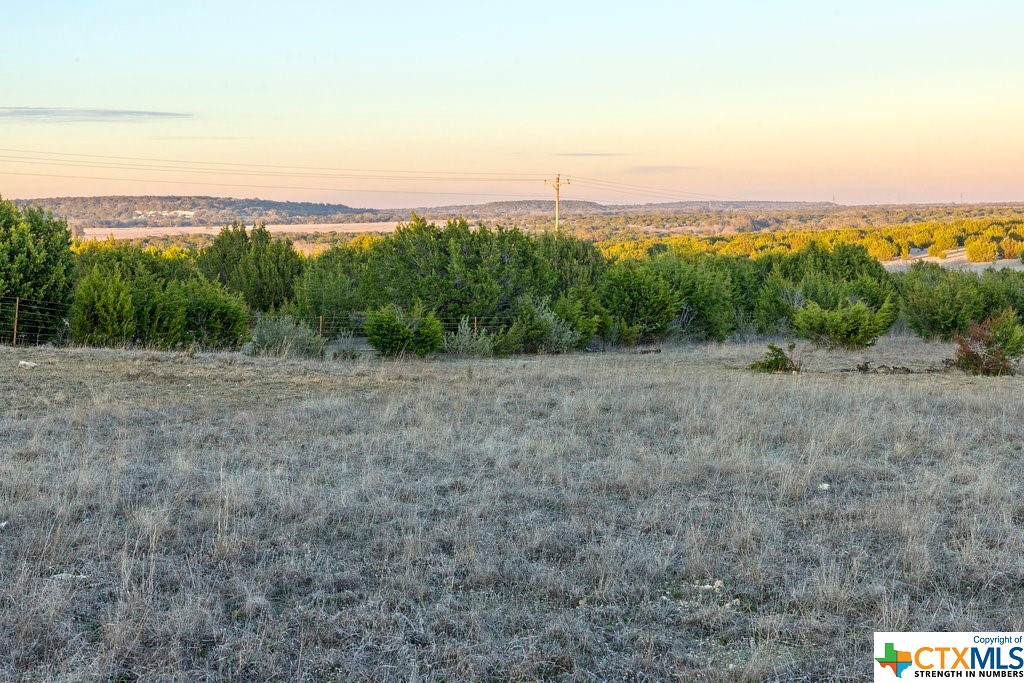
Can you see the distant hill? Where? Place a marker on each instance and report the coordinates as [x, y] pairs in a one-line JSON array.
[[129, 211], [184, 211], [528, 207], [534, 207], [586, 219], [717, 205]]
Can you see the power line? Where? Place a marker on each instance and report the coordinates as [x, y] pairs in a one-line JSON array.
[[533, 176], [648, 189], [160, 165], [632, 193], [175, 169], [640, 194], [268, 187]]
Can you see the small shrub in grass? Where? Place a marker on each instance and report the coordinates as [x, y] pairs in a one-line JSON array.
[[394, 332], [342, 346], [777, 360], [538, 329], [286, 336], [848, 326], [992, 347], [466, 341], [615, 332]]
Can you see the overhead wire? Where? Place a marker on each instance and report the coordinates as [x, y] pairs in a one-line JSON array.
[[270, 187], [663, 197], [176, 169], [255, 170], [646, 189], [248, 165]]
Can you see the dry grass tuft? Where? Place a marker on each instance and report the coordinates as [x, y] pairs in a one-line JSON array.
[[606, 517]]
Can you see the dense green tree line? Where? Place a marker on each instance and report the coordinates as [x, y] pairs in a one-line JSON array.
[[503, 290], [36, 265]]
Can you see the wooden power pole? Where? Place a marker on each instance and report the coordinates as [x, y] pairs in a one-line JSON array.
[[557, 184]]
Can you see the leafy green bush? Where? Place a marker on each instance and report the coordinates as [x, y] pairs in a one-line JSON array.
[[581, 308], [777, 360], [943, 241], [616, 332], [394, 332], [467, 341], [705, 293], [1000, 289], [36, 263], [638, 299], [214, 317], [458, 270], [848, 326], [102, 313], [772, 306], [538, 329], [881, 249], [328, 289], [260, 267], [160, 313], [283, 335], [939, 303], [1011, 247], [992, 347], [981, 250]]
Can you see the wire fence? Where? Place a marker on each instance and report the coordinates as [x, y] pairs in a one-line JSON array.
[[32, 322]]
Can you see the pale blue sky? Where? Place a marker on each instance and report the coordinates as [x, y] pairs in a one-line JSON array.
[[871, 101]]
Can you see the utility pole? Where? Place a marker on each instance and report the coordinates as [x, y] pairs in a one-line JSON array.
[[557, 184]]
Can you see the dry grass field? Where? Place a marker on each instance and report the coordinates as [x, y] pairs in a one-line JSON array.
[[597, 517]]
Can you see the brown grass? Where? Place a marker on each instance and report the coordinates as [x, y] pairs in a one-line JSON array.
[[597, 517]]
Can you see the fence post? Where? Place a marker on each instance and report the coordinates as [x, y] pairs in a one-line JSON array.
[[14, 338], [321, 326], [474, 324]]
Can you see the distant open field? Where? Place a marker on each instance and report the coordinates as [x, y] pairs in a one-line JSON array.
[[955, 258], [278, 228], [612, 516]]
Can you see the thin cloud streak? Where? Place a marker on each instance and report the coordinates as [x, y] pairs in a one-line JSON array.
[[591, 154], [655, 170], [79, 115], [203, 137]]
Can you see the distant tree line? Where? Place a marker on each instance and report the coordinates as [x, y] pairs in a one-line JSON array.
[[128, 211], [587, 220]]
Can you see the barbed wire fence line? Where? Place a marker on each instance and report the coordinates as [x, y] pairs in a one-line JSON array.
[[25, 322], [32, 321]]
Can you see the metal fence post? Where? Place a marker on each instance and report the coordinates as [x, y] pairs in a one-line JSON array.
[[14, 337]]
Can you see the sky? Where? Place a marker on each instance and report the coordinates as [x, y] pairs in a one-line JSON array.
[[402, 104]]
